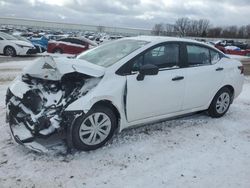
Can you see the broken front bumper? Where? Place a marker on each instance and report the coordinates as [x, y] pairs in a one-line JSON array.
[[36, 111], [24, 137], [21, 135]]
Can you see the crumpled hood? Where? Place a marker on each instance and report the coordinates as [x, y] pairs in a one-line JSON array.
[[54, 68], [23, 43]]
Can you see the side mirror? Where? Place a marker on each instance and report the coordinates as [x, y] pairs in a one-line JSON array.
[[148, 69]]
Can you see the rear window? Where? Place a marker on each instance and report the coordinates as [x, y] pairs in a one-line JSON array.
[[198, 55]]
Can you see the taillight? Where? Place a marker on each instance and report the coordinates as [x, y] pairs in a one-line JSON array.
[[241, 68]]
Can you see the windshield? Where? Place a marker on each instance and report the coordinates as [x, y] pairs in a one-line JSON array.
[[7, 36], [108, 54]]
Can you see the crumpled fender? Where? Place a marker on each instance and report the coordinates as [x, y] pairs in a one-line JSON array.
[[114, 90], [109, 88]]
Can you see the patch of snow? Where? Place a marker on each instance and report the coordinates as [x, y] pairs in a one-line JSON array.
[[232, 48], [55, 54], [14, 65]]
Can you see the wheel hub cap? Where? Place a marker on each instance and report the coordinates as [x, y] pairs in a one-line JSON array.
[[95, 128], [9, 51], [222, 103]]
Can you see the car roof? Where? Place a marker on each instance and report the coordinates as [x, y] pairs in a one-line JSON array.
[[80, 38], [163, 39], [160, 39]]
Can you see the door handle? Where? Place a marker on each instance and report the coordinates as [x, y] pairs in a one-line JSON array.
[[219, 69], [178, 78]]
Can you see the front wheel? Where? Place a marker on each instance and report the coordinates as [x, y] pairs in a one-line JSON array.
[[94, 129], [221, 103], [9, 51]]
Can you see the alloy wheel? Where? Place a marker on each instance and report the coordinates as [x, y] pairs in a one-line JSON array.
[[95, 128], [223, 102], [9, 51]]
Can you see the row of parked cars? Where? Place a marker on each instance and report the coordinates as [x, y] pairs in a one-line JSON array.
[[13, 45], [16, 44]]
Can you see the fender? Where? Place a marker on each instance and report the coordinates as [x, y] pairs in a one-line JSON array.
[[114, 91]]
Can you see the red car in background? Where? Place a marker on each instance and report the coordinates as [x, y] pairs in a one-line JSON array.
[[238, 52], [70, 45], [232, 47], [234, 51]]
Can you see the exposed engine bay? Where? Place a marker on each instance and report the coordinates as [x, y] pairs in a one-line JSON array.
[[36, 106]]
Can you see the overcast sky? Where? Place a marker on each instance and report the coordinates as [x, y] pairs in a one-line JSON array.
[[129, 13]]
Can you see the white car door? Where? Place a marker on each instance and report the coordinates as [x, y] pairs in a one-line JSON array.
[[159, 94], [204, 76]]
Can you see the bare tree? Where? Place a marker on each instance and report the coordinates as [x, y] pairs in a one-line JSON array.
[[230, 32], [100, 29], [200, 28], [181, 26], [242, 32], [170, 30], [248, 31], [203, 26], [158, 29], [193, 28], [215, 32]]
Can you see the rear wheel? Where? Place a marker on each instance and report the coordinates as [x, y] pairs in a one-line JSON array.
[[9, 51], [94, 129], [221, 103]]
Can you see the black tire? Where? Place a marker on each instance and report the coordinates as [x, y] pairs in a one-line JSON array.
[[213, 110], [58, 51], [9, 51], [77, 141]]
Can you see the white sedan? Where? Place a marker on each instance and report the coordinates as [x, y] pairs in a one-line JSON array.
[[11, 46], [121, 84]]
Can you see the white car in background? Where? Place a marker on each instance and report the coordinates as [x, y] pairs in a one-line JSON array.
[[11, 46], [118, 85]]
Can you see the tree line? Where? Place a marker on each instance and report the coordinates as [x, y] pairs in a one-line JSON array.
[[200, 28]]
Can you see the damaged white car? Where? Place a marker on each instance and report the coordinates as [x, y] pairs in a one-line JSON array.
[[117, 85]]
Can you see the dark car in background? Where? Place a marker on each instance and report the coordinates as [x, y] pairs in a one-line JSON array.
[[238, 44]]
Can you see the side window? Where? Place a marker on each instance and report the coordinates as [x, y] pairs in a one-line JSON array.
[[77, 41], [74, 41], [158, 51], [165, 56], [64, 40], [71, 40], [215, 56], [198, 55]]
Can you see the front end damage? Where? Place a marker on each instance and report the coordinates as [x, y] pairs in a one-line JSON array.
[[36, 103]]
